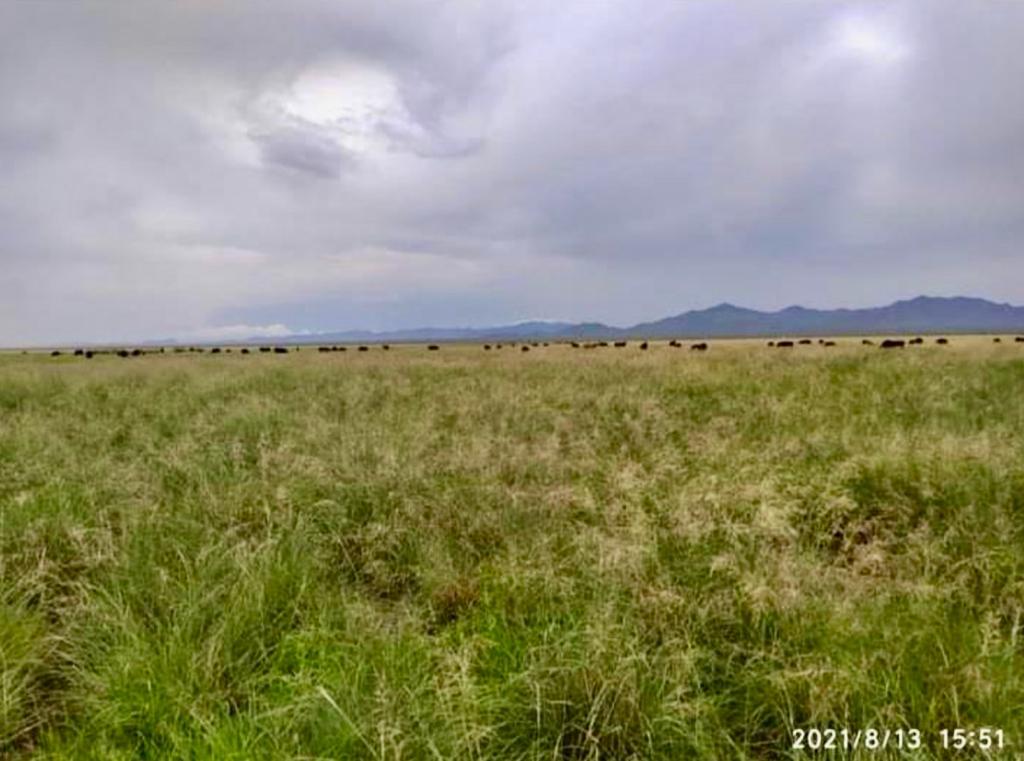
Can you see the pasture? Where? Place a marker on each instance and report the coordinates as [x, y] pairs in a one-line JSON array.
[[610, 553]]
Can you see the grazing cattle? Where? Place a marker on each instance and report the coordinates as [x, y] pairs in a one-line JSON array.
[[702, 346], [602, 343], [893, 343], [804, 341], [264, 350], [54, 353], [545, 343], [916, 341], [497, 347], [364, 348], [88, 355], [215, 350], [525, 347], [643, 346], [79, 352], [771, 343], [821, 341], [1019, 340], [122, 353], [997, 340], [136, 352], [828, 343], [386, 347], [487, 347], [280, 350], [674, 344], [324, 349], [245, 351], [435, 347], [784, 344], [941, 341], [179, 349], [574, 345], [867, 342], [619, 344]]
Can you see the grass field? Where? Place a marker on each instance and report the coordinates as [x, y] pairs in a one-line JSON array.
[[606, 554]]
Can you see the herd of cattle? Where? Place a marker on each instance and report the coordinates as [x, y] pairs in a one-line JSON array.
[[888, 343]]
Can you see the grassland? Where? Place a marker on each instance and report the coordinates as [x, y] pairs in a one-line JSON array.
[[606, 554]]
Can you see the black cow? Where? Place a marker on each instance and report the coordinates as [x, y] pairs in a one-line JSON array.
[[893, 343], [79, 352], [215, 350], [828, 343], [487, 347], [136, 352], [280, 350], [916, 341], [435, 347], [55, 353], [784, 344], [997, 340], [364, 348], [643, 346], [324, 349], [674, 344], [702, 346], [245, 351], [771, 343], [264, 350], [804, 341], [619, 344], [573, 344], [88, 355], [941, 341], [122, 353], [386, 347], [867, 342], [1019, 340], [525, 347]]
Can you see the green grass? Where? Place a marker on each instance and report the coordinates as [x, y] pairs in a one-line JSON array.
[[567, 554]]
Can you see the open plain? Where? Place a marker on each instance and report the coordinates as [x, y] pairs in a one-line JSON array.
[[579, 553]]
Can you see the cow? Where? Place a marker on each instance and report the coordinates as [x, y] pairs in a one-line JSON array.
[[1019, 340], [364, 348], [545, 343], [674, 344], [79, 352], [828, 343], [88, 355], [498, 346], [619, 344], [215, 350], [941, 341], [487, 347], [643, 346], [435, 347], [55, 353], [893, 343], [702, 346], [771, 343], [122, 354], [997, 340], [386, 347], [525, 347], [280, 350], [264, 350], [784, 344], [867, 342], [136, 352], [804, 341], [324, 349], [245, 351], [916, 341], [574, 345]]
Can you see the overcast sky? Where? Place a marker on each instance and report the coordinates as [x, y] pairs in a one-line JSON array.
[[212, 168]]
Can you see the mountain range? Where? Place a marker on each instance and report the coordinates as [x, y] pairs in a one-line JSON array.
[[924, 314]]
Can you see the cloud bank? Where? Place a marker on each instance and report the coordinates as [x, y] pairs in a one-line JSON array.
[[170, 169]]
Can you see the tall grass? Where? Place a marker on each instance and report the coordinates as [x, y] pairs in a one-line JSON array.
[[564, 554]]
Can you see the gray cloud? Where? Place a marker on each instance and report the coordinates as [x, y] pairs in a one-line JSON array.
[[179, 168]]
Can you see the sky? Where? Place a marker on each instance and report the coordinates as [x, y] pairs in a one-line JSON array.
[[212, 169]]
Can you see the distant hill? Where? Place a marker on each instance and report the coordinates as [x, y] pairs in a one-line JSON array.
[[924, 314]]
